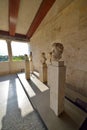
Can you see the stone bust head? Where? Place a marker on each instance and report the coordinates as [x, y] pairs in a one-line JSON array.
[[43, 58], [30, 57], [26, 57], [49, 58], [57, 50]]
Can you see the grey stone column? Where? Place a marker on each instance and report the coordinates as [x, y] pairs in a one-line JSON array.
[[9, 49], [9, 54]]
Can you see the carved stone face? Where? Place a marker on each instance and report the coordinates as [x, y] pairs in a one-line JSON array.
[[43, 58], [57, 50], [30, 57], [26, 57], [49, 58]]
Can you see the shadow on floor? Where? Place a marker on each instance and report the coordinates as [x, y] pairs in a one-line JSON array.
[[13, 120]]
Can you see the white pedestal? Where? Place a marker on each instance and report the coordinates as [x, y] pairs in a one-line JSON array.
[[43, 73], [56, 82], [27, 69]]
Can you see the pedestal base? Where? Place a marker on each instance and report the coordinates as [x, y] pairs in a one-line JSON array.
[[56, 82], [43, 73], [27, 70]]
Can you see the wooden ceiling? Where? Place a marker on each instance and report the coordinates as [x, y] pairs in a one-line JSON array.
[[21, 18]]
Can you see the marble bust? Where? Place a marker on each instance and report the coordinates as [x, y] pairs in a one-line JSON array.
[[57, 50], [43, 58], [30, 57], [26, 57], [49, 58]]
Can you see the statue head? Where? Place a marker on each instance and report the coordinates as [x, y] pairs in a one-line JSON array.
[[49, 57], [43, 58], [57, 50], [30, 57], [26, 57]]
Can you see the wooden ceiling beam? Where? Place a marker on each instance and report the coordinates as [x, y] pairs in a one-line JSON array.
[[19, 37], [42, 11], [13, 15]]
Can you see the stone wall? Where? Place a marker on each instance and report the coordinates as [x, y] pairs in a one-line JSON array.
[[11, 67], [69, 26]]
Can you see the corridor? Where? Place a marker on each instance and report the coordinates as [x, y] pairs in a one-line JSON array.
[[25, 105]]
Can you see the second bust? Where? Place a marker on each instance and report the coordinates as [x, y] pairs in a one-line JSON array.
[[43, 58], [57, 50]]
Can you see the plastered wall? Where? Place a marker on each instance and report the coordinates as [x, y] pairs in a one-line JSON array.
[[69, 26], [11, 67], [4, 68]]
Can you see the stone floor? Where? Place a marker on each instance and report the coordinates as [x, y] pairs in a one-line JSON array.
[[16, 111], [25, 105]]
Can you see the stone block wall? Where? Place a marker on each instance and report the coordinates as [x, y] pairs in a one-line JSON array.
[[68, 26], [11, 67]]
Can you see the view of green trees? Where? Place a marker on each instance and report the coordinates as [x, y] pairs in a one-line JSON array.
[[18, 58], [14, 58]]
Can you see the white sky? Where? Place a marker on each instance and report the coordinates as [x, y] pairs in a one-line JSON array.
[[3, 48], [18, 48]]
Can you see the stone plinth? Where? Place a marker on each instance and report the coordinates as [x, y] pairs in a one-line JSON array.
[[56, 82], [27, 69], [43, 73], [31, 66]]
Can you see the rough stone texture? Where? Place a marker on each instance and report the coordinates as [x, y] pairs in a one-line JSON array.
[[70, 28]]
